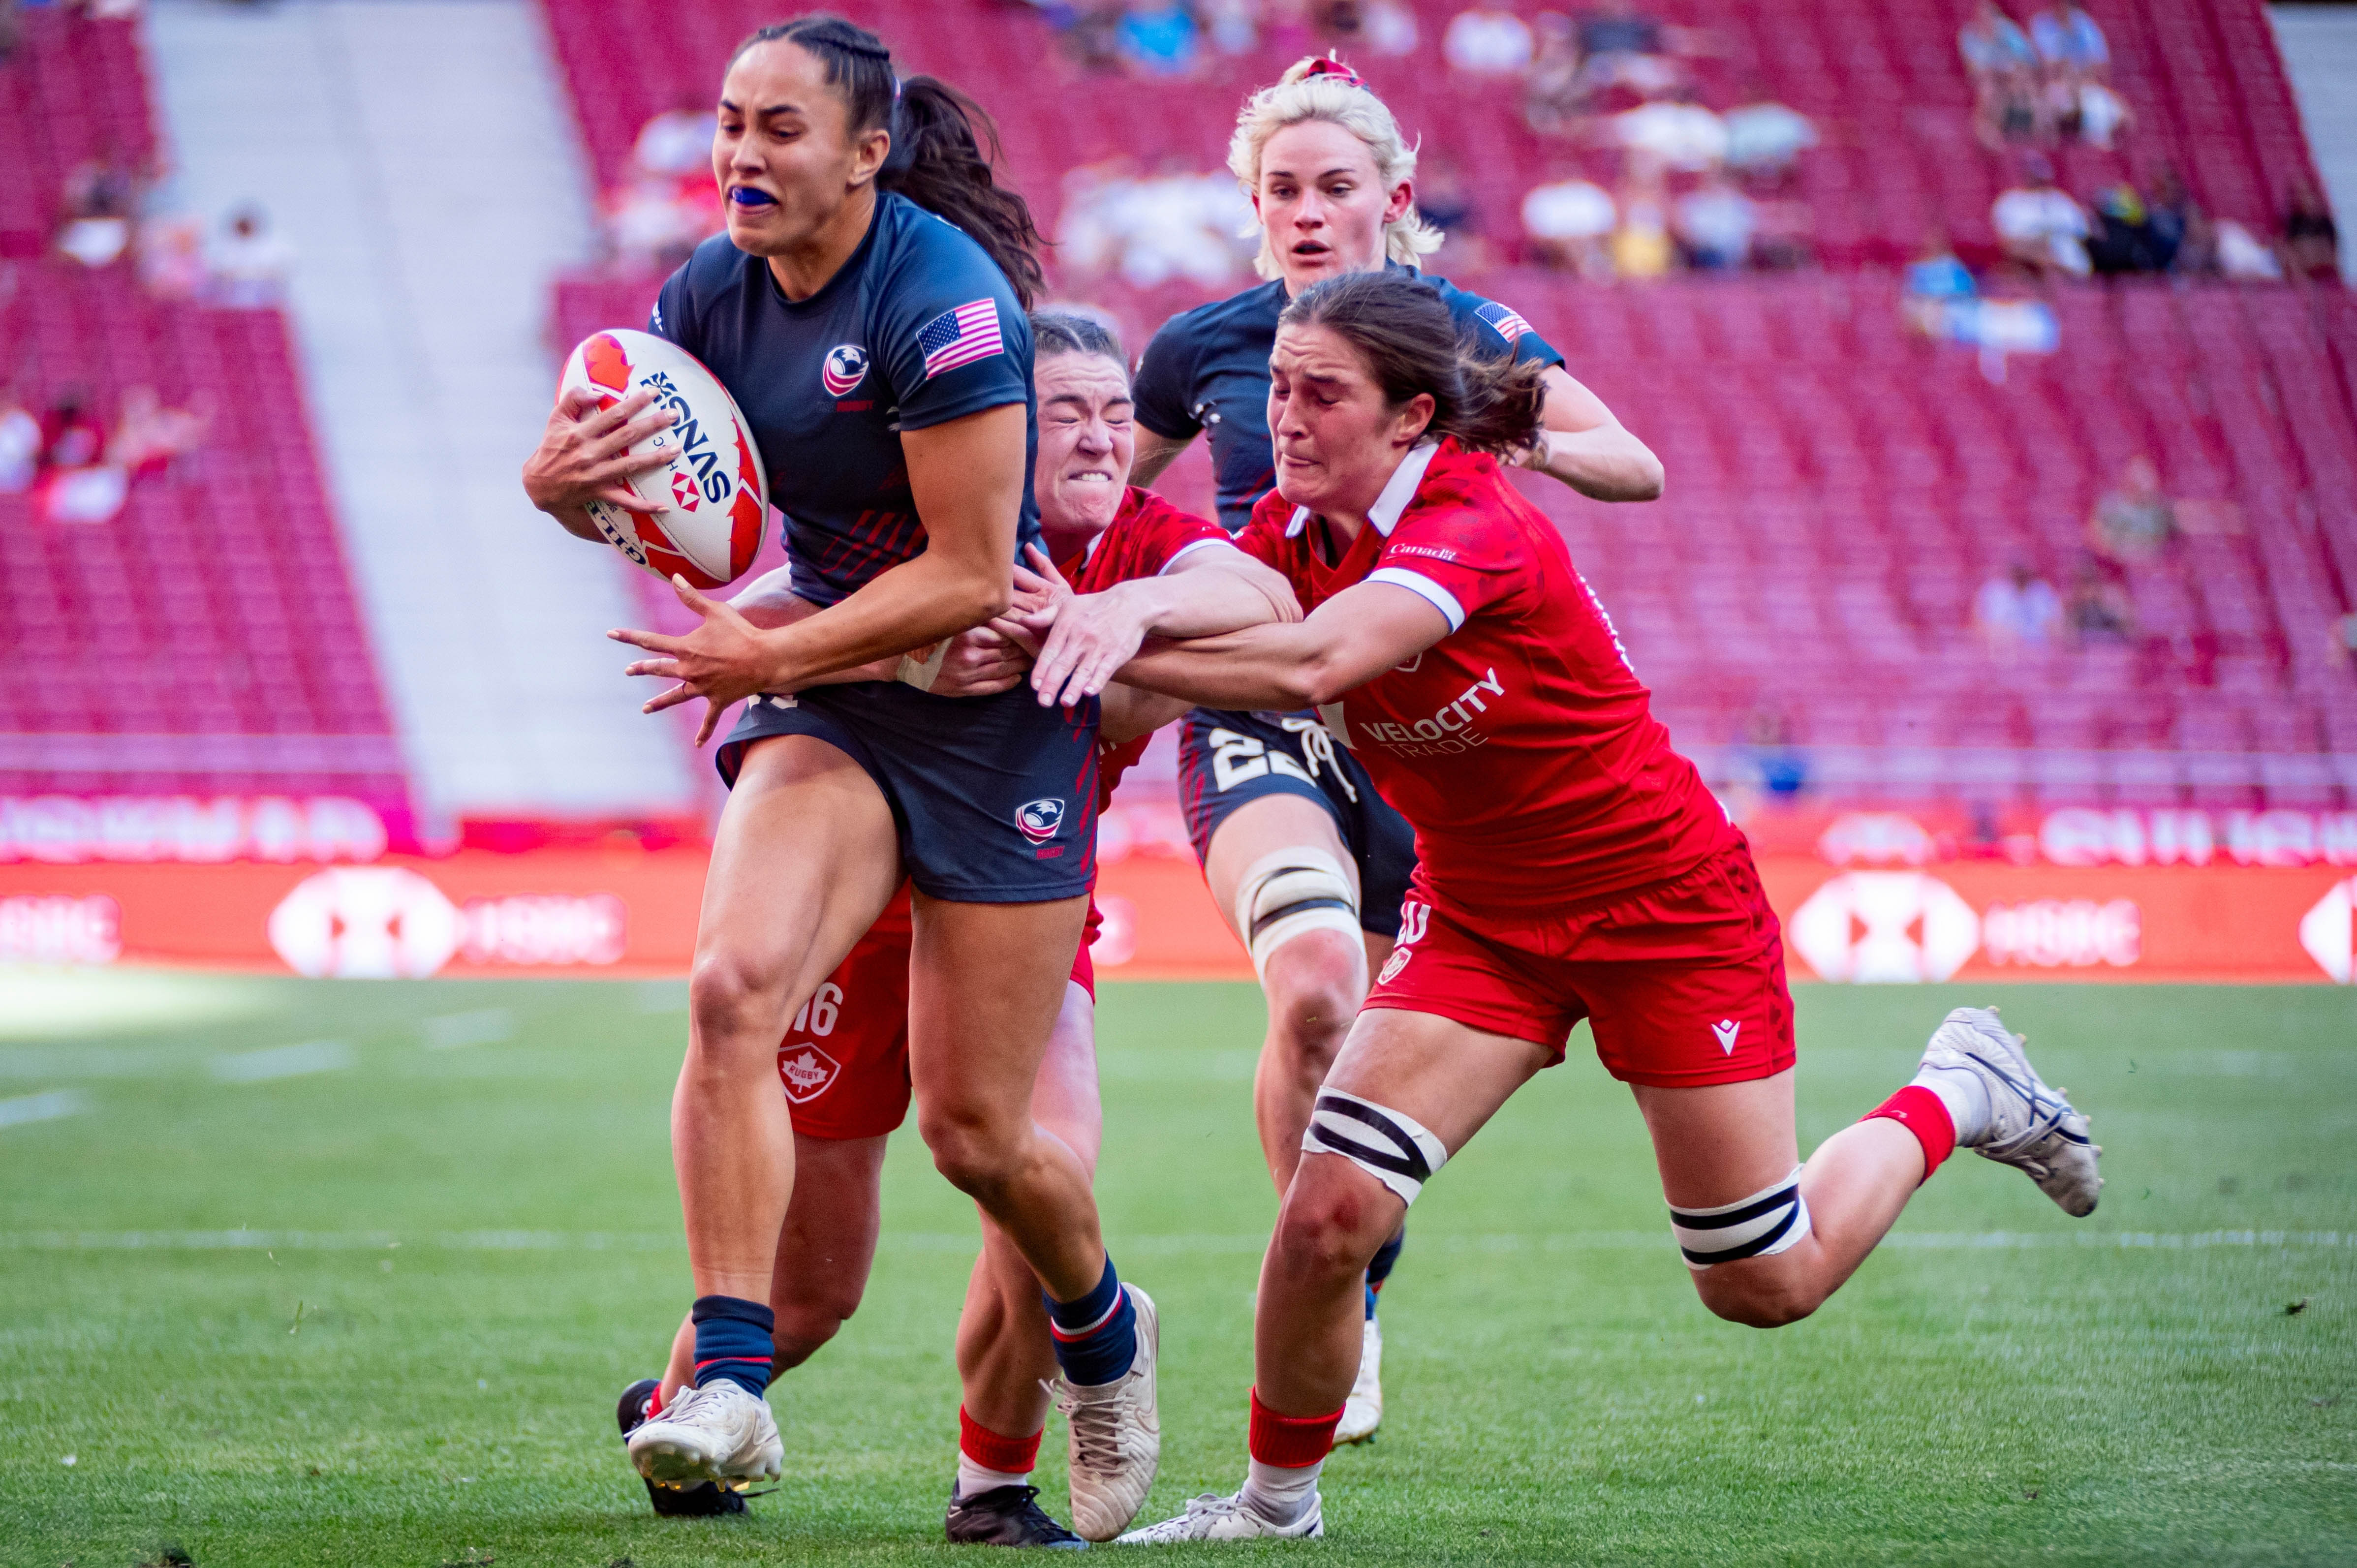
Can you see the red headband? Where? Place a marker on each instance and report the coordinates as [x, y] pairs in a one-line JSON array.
[[1332, 67]]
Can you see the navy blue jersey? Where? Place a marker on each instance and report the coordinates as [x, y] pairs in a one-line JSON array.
[[918, 328], [1207, 369]]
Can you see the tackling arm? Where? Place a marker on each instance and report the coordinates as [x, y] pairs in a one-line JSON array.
[[1347, 641], [1583, 444], [1211, 589]]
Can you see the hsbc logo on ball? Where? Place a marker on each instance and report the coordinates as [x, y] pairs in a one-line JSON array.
[[389, 922]]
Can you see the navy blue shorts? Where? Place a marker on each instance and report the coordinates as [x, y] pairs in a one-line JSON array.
[[995, 798], [1229, 760]]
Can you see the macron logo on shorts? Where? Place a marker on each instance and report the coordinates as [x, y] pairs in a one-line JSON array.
[[1040, 820], [1725, 1031]]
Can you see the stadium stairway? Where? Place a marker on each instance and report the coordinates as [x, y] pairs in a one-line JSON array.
[[415, 155]]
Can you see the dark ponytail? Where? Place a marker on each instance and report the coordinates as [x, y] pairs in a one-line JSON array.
[[1409, 340], [943, 142]]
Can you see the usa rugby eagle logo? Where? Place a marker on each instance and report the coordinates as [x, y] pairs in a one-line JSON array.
[[846, 367], [1040, 820]]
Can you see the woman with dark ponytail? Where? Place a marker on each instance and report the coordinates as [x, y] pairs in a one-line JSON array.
[[1571, 865], [866, 310]]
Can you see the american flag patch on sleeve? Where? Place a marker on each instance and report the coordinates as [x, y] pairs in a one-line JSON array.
[[960, 337], [1509, 325]]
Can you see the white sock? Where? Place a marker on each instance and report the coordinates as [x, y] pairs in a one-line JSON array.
[[1280, 1494], [1965, 1096], [972, 1480]]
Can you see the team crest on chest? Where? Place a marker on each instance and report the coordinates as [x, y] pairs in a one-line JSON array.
[[846, 368]]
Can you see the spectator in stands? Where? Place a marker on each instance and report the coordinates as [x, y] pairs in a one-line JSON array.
[[1366, 27], [1446, 203], [1157, 38], [1091, 38], [148, 437], [1771, 756], [1176, 223], [2126, 239], [71, 436], [2039, 226], [1715, 223], [2135, 522], [2003, 67], [2311, 240], [1570, 224], [2340, 639], [171, 257], [1623, 47], [2067, 39], [2174, 214], [20, 444], [100, 199], [1232, 25], [1486, 40], [2017, 609], [1554, 100], [677, 142], [1764, 138], [1675, 133], [250, 264], [2098, 609], [1641, 246], [1935, 274], [2076, 108]]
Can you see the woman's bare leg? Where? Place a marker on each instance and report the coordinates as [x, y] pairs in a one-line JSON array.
[[804, 860], [825, 1253], [1004, 1351]]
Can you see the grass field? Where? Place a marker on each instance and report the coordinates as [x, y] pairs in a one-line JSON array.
[[351, 1273]]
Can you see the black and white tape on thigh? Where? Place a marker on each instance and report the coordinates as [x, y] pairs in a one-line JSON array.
[[1756, 1226], [1389, 1146]]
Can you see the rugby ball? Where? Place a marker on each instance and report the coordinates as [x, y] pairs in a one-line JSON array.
[[713, 493]]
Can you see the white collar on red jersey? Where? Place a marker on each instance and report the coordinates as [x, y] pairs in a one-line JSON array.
[[1401, 489]]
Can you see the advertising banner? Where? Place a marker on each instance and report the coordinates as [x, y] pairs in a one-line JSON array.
[[590, 912]]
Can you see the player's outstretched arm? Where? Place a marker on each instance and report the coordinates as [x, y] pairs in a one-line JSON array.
[[1585, 447], [769, 602], [1213, 589], [1155, 453], [1347, 641]]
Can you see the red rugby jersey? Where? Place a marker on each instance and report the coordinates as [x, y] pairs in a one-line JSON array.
[[1522, 746], [1144, 539]]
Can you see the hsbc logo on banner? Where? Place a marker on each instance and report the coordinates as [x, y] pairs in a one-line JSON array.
[[2329, 932], [388, 922], [1884, 927]]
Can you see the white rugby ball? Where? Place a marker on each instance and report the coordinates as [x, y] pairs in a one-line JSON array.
[[713, 493]]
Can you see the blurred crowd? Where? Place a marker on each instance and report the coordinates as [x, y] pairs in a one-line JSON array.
[[76, 467]]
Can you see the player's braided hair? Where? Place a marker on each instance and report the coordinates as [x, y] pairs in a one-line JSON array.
[[1410, 342], [1057, 332], [943, 142]]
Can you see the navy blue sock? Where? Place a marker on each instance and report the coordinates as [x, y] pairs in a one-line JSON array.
[[733, 1339], [1379, 1268], [1096, 1337]]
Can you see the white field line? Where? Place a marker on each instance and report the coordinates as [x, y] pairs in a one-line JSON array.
[[485, 1026], [952, 1242], [282, 1062], [46, 1107]]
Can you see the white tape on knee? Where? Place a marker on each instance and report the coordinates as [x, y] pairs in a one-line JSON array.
[[1389, 1146], [1290, 891], [1759, 1226]]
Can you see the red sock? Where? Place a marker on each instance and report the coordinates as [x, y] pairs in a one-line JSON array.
[[996, 1450], [1289, 1442], [1925, 1114]]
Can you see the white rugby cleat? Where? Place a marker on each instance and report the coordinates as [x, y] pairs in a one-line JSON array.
[[717, 1432], [1116, 1435], [2030, 1127], [1364, 1411], [1213, 1517]]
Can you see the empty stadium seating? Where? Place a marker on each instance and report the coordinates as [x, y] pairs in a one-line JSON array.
[[213, 619], [75, 91]]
